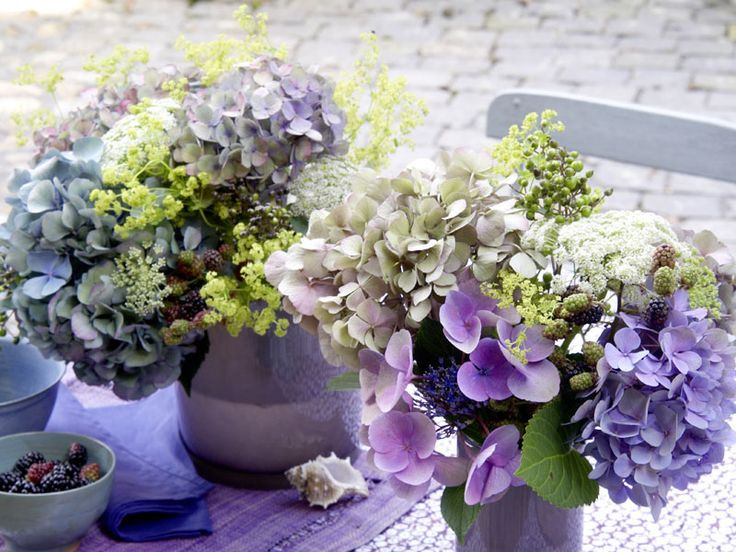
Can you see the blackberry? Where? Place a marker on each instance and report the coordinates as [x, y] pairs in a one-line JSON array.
[[656, 314], [62, 478], [24, 487], [37, 471], [213, 260], [191, 304], [171, 313], [664, 255], [90, 472], [591, 315], [77, 455], [573, 369], [7, 480], [189, 265], [26, 461]]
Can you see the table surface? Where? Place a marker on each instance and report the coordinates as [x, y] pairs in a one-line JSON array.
[[702, 519]]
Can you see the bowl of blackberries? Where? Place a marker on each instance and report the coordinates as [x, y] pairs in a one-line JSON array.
[[53, 488]]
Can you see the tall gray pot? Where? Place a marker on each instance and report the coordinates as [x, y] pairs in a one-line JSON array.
[[259, 406], [523, 522]]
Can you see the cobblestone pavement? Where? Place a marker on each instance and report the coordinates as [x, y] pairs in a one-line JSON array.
[[456, 54]]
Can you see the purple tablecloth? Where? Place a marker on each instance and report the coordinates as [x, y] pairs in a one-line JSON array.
[[241, 520]]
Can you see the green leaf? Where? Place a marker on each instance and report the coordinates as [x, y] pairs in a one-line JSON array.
[[458, 515], [556, 472], [431, 344], [300, 224], [190, 363], [347, 381]]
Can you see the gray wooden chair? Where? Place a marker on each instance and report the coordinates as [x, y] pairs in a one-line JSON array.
[[627, 132]]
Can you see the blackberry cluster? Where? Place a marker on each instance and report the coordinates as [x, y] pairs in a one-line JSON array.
[[591, 315], [38, 470], [656, 314], [32, 474], [63, 477], [189, 265], [26, 461], [7, 480], [23, 486], [191, 304], [213, 260], [77, 455]]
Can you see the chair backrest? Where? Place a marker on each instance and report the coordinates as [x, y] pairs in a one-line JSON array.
[[627, 132]]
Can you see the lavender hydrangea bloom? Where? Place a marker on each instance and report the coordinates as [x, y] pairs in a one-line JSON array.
[[486, 375], [664, 422], [492, 471], [534, 378], [403, 443], [384, 378], [625, 354]]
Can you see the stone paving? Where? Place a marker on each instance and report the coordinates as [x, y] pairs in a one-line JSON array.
[[674, 54]]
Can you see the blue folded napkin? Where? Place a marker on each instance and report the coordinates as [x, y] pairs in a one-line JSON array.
[[157, 494]]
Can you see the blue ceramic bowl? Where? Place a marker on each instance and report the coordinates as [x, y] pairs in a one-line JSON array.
[[28, 386], [52, 522]]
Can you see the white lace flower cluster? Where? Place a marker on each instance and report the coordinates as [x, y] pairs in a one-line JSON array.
[[616, 245], [137, 139], [322, 184]]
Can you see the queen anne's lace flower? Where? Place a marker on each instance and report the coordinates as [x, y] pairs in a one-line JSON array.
[[616, 245], [322, 184]]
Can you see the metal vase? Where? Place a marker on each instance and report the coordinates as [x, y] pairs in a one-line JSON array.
[[523, 522], [259, 406]]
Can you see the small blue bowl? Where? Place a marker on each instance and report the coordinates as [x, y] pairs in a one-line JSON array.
[[28, 387], [52, 522]]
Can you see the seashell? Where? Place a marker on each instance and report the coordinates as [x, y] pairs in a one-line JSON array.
[[325, 480]]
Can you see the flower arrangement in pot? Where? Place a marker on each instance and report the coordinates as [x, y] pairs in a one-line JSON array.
[[145, 218], [488, 297]]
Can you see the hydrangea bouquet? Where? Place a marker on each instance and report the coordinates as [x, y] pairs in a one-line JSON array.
[[147, 215], [488, 297]]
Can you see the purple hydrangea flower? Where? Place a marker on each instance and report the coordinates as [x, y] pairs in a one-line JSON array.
[[403, 443], [384, 378], [663, 423], [460, 321], [486, 375], [626, 353], [55, 272], [534, 378], [492, 471], [677, 344]]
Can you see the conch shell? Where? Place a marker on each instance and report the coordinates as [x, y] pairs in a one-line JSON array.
[[325, 480]]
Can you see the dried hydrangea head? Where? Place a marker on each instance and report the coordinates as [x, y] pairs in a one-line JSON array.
[[262, 121], [390, 253]]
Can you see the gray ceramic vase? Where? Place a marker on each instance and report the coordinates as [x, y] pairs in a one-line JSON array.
[[523, 522], [259, 406]]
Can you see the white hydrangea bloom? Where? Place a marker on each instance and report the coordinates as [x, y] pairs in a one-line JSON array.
[[322, 184], [616, 245], [144, 132]]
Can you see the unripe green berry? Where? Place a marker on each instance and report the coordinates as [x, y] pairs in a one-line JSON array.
[[665, 281], [592, 353], [577, 302], [557, 329], [581, 382]]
